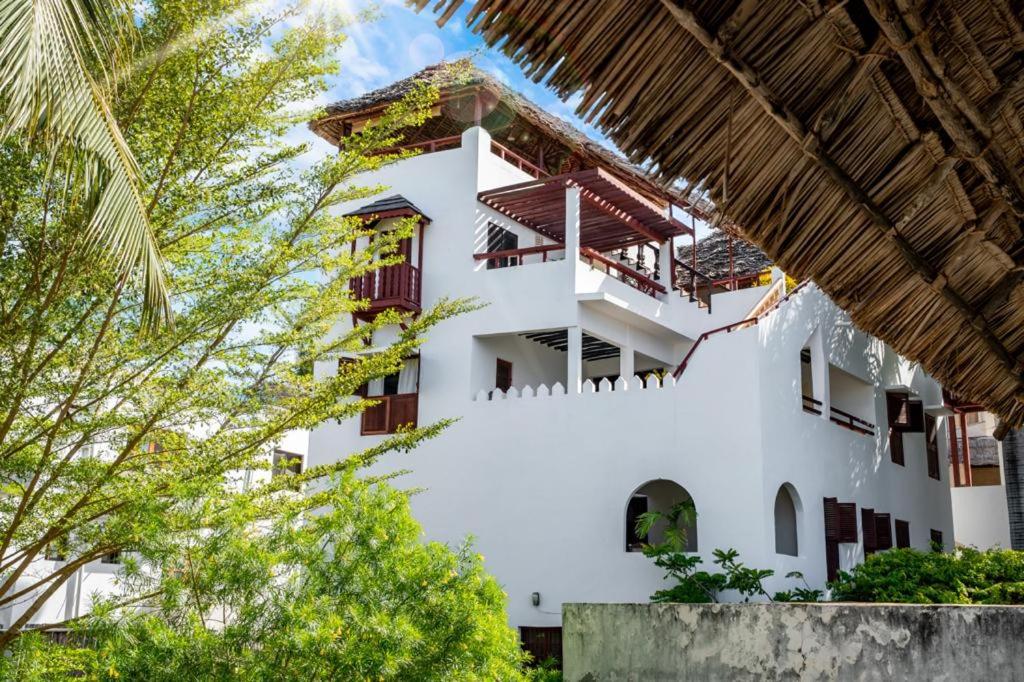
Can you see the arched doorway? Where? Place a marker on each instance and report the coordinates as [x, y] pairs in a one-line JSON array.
[[658, 495]]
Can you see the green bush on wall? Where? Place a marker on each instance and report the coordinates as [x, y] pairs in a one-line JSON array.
[[968, 576]]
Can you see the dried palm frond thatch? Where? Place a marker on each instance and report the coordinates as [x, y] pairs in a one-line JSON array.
[[867, 144]]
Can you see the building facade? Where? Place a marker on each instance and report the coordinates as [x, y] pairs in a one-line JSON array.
[[603, 377]]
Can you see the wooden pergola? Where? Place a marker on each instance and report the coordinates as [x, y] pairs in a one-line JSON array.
[[612, 216], [875, 146]]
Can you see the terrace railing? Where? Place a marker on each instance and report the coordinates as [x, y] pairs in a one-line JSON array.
[[393, 285], [623, 273], [513, 257]]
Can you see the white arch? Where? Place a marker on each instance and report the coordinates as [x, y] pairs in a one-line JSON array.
[[659, 494], [787, 511]]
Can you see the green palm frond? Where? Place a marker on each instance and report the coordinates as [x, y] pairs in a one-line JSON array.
[[46, 51]]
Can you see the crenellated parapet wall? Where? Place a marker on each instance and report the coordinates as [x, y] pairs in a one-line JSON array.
[[603, 387]]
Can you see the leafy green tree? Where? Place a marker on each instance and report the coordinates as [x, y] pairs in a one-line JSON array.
[[112, 440], [351, 593]]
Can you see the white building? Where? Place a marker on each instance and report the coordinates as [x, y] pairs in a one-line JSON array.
[[565, 432]]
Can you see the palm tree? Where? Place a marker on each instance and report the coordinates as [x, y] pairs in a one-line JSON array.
[[54, 56]]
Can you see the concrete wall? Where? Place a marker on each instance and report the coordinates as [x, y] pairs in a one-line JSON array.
[[980, 517], [653, 642]]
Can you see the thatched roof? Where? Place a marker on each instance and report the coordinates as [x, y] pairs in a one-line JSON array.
[[713, 256], [874, 149], [509, 110]]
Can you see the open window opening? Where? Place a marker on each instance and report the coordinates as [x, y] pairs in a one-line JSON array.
[[811, 403], [904, 415], [286, 463], [786, 506], [662, 496], [501, 241], [851, 401]]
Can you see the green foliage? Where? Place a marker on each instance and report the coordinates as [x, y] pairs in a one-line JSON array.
[[116, 440], [799, 594], [695, 586], [350, 592], [967, 576]]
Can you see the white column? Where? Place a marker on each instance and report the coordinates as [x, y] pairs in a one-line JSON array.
[[626, 362], [665, 263], [572, 231], [574, 356]]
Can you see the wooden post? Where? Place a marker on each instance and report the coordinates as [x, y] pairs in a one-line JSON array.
[[954, 449], [968, 477]]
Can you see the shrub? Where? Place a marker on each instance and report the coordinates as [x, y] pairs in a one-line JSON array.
[[910, 576]]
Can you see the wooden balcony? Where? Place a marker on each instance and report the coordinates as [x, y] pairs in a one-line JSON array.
[[390, 413], [395, 286]]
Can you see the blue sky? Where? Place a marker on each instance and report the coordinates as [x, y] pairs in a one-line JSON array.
[[400, 42]]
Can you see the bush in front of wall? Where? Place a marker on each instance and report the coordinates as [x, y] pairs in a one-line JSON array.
[[910, 576]]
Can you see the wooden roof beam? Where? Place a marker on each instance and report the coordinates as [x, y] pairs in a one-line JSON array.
[[965, 123], [812, 146], [609, 208]]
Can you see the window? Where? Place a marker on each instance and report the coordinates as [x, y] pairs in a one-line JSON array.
[[898, 412], [286, 463], [111, 558], [810, 403], [390, 386], [785, 523], [902, 534], [56, 551], [840, 526], [503, 375], [870, 531], [883, 531], [936, 540], [500, 239], [542, 643]]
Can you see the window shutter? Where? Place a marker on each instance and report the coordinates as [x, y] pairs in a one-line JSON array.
[[831, 559], [915, 416], [902, 534], [896, 445], [867, 523], [847, 522], [883, 531], [898, 410], [831, 519], [932, 445]]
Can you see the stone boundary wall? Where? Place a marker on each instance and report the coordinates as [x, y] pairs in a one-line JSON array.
[[654, 642]]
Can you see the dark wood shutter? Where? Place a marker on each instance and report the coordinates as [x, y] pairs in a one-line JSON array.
[[542, 643], [831, 519], [902, 534], [831, 559], [915, 416], [931, 425], [883, 531], [503, 375], [898, 410], [847, 522], [936, 537], [867, 524], [896, 445]]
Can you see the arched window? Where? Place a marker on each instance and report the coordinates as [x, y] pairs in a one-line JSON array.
[[785, 521], [659, 495]]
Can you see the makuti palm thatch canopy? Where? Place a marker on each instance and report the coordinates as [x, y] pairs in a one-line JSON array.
[[875, 146]]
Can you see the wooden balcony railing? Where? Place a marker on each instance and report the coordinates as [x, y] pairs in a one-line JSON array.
[[426, 146], [509, 156], [390, 413], [840, 417], [848, 421], [626, 274], [512, 257], [392, 286]]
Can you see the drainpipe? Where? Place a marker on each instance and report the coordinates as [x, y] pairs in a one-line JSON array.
[[1013, 472]]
